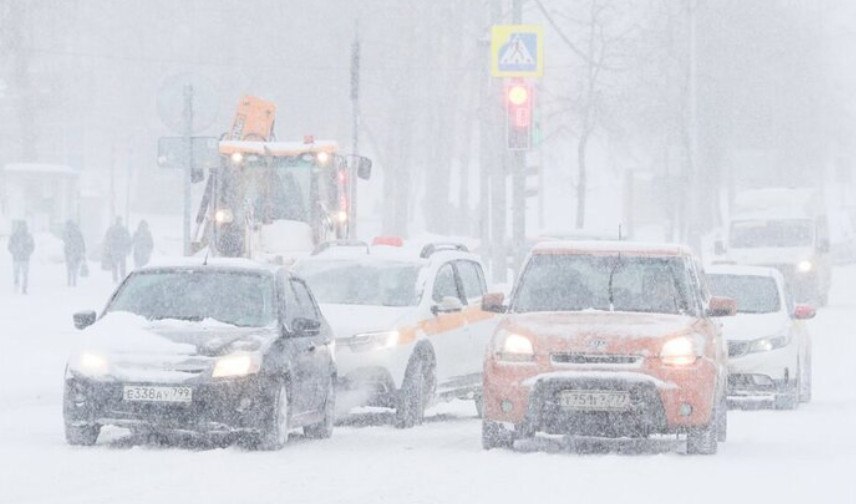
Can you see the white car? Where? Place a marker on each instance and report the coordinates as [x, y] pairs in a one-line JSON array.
[[769, 347], [408, 322]]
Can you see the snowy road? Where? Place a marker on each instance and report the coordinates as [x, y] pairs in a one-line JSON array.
[[806, 455]]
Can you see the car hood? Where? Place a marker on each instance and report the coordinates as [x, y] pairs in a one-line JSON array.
[[752, 326], [125, 333], [599, 331], [348, 320]]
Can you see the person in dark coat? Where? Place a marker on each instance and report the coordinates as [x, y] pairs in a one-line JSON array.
[[74, 249], [143, 244], [21, 247], [117, 245]]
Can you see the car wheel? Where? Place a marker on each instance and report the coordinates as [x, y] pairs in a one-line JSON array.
[[81, 435], [479, 401], [414, 394], [722, 420], [324, 429], [805, 382], [787, 400], [494, 435], [703, 440], [275, 431]]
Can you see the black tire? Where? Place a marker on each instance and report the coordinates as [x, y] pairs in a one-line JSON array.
[[274, 433], [494, 435], [81, 435], [703, 440], [414, 394], [722, 420], [479, 401], [324, 429]]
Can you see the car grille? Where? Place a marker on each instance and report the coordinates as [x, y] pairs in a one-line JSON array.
[[589, 359], [738, 348]]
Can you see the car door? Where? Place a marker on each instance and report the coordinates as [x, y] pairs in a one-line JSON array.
[[447, 330], [299, 349], [319, 352], [480, 324]]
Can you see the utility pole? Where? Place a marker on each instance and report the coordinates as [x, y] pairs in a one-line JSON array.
[[518, 178], [355, 132], [487, 148], [188, 167]]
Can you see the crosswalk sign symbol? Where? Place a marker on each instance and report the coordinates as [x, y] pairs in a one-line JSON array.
[[517, 51]]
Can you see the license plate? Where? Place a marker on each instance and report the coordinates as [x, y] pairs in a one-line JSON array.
[[136, 393], [594, 400]]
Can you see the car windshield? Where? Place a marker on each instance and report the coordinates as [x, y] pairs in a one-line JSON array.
[[237, 298], [754, 294], [777, 233], [362, 283], [584, 282]]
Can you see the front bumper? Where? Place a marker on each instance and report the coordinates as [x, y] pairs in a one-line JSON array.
[[217, 407], [663, 400], [762, 375]]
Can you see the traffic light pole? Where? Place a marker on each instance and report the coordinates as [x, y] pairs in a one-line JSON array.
[[518, 180]]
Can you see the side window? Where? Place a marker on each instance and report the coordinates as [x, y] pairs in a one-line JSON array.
[[472, 279], [445, 284], [305, 305]]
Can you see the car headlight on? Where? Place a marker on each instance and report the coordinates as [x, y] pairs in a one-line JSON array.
[[516, 348], [805, 266], [375, 340], [680, 351], [224, 216], [91, 364], [237, 158], [234, 365], [772, 343]]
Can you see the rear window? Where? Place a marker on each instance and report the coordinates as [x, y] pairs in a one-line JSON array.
[[754, 294]]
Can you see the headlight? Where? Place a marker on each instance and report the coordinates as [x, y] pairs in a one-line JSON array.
[[237, 157], [516, 348], [679, 352], [90, 364], [322, 158], [376, 340], [767, 344], [224, 216], [236, 365], [805, 266]]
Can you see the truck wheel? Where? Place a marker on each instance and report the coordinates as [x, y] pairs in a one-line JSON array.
[[81, 435], [324, 429], [414, 394], [494, 435]]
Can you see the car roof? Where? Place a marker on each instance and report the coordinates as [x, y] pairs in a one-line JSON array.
[[607, 247], [384, 253], [212, 263], [741, 270]]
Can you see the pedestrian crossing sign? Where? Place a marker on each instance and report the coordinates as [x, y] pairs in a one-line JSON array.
[[517, 51]]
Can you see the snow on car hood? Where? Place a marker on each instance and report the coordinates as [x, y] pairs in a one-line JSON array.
[[764, 256], [348, 320], [600, 331], [751, 326]]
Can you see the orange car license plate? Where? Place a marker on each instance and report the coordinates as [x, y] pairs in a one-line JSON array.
[[594, 400]]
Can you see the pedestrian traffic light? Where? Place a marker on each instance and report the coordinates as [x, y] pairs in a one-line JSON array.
[[518, 108]]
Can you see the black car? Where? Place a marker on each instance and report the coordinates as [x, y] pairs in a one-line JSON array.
[[228, 349]]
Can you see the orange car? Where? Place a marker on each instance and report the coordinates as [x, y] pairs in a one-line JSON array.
[[607, 339]]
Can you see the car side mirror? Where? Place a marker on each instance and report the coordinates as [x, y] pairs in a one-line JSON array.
[[84, 319], [305, 326], [719, 247], [364, 168], [449, 304], [721, 307], [494, 302], [804, 312]]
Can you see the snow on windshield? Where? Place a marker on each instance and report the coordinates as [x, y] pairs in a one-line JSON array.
[[237, 298]]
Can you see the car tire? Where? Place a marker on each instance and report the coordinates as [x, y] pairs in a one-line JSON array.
[[81, 435], [788, 400], [703, 440], [722, 420], [479, 401], [324, 429], [274, 433], [494, 435], [414, 394]]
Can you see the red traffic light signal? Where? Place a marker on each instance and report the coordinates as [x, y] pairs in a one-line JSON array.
[[518, 107]]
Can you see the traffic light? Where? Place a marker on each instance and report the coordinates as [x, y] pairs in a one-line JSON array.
[[518, 108]]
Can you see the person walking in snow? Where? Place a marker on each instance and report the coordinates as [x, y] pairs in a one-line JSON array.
[[74, 249], [117, 245], [21, 247], [143, 244]]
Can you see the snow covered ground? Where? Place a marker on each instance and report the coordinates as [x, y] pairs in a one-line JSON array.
[[799, 456]]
